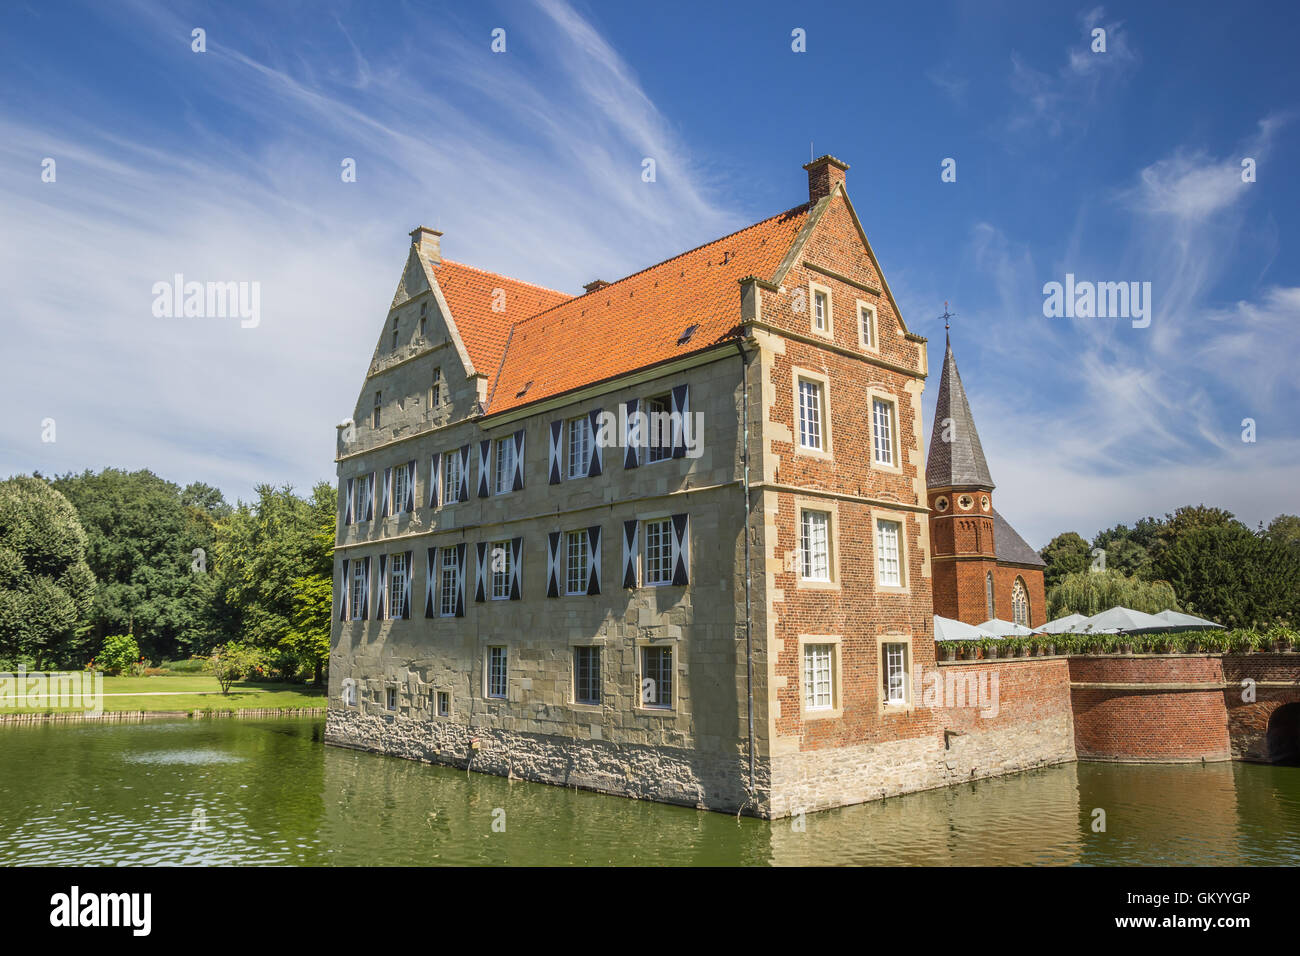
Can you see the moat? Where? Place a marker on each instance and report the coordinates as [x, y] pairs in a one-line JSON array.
[[268, 792]]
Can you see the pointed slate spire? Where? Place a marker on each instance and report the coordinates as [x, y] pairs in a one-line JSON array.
[[959, 462]]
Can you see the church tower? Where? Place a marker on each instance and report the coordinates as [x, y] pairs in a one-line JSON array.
[[960, 491]]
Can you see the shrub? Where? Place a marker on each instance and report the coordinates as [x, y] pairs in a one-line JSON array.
[[120, 651], [234, 661]]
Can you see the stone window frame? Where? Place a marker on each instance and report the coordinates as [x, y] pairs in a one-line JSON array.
[[574, 648], [1019, 584], [673, 645], [879, 393], [588, 442], [883, 706], [836, 710], [487, 673], [491, 573], [874, 345], [827, 451], [804, 503], [643, 546], [889, 514], [391, 702], [814, 289], [437, 709]]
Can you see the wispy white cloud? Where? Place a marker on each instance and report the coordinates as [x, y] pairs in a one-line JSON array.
[[445, 133]]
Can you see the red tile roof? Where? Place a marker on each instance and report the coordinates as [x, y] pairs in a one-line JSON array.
[[470, 295], [637, 321]]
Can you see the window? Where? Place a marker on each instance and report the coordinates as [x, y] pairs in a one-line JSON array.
[[814, 545], [435, 389], [394, 333], [443, 700], [424, 319], [358, 587], [450, 476], [586, 675], [657, 677], [988, 596], [505, 465], [658, 536], [450, 582], [401, 486], [888, 566], [1020, 603], [379, 402], [575, 546], [867, 326], [810, 414], [817, 678], [496, 673], [882, 431], [500, 558], [397, 575], [821, 308], [659, 424], [579, 446], [391, 698], [349, 692], [895, 672]]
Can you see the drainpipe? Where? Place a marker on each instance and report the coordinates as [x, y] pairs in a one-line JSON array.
[[749, 630]]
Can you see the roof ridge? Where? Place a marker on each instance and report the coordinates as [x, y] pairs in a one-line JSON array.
[[664, 262], [502, 275]]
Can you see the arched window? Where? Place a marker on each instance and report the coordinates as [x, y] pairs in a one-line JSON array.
[[988, 595], [1020, 603]]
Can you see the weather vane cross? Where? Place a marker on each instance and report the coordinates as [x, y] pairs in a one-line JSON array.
[[947, 316]]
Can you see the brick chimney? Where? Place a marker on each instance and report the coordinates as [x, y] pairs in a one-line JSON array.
[[427, 243], [823, 173], [595, 285]]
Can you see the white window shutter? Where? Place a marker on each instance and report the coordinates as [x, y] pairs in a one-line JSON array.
[[597, 461], [381, 605], [516, 568], [480, 572], [681, 409], [386, 496], [593, 559], [518, 483], [484, 467], [553, 451], [681, 549], [632, 434], [410, 486], [435, 481], [365, 588], [430, 577], [553, 564], [369, 486], [630, 552], [347, 505], [406, 587], [460, 579], [464, 472], [343, 595]]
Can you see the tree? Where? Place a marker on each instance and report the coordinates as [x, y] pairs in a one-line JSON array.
[[149, 545], [1090, 592], [119, 652], [233, 661], [1125, 549], [274, 565], [1233, 576], [46, 586], [1065, 553], [1285, 529]]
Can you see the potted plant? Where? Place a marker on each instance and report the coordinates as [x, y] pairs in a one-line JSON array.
[[992, 648], [948, 650]]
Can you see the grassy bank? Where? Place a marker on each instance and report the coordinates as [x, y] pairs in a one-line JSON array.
[[185, 692]]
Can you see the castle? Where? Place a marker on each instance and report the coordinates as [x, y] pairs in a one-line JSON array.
[[674, 538]]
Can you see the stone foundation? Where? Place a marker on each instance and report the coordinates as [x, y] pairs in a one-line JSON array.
[[663, 774], [835, 777]]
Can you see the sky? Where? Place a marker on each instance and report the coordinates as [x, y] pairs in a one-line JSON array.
[[1122, 165]]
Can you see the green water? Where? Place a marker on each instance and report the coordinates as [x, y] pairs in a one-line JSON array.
[[269, 792]]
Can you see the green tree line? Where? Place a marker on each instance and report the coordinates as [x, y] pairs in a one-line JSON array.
[[1200, 558], [91, 556]]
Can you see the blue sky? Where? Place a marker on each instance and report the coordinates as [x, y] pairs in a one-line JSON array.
[[1115, 166]]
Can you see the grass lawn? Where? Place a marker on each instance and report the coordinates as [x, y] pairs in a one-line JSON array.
[[198, 692]]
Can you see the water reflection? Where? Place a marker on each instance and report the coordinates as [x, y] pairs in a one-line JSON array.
[[268, 792]]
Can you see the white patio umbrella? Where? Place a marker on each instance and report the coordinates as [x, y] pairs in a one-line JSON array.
[[1184, 621], [946, 629], [1125, 619], [1001, 628], [1064, 625]]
